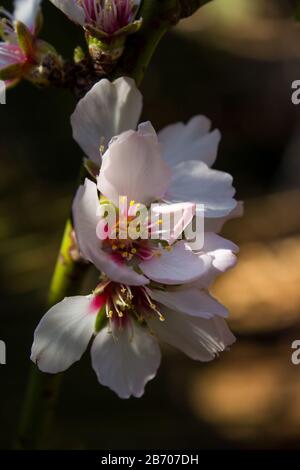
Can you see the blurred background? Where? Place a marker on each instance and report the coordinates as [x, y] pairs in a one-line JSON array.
[[234, 61]]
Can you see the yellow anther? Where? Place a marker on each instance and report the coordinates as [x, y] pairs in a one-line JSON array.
[[122, 246], [125, 254], [110, 313], [168, 248], [132, 203], [114, 247], [160, 316], [160, 221], [133, 251]]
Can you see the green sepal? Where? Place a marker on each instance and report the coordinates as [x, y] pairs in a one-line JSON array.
[[101, 319], [96, 33], [111, 48], [11, 72], [131, 28], [25, 38]]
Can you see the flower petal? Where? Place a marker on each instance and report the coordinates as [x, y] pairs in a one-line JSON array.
[[194, 181], [221, 250], [85, 218], [180, 265], [132, 167], [10, 54], [199, 338], [63, 334], [72, 9], [191, 141], [190, 301], [175, 218], [125, 359], [108, 109], [27, 11]]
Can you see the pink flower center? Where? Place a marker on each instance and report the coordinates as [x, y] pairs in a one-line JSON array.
[[122, 301], [108, 15], [116, 239]]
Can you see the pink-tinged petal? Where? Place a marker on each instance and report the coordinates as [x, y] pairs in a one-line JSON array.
[[199, 338], [194, 181], [26, 11], [10, 54], [132, 167], [125, 359], [72, 9], [190, 301], [85, 209], [63, 334], [168, 221], [178, 266], [107, 110], [216, 225], [221, 250], [191, 141]]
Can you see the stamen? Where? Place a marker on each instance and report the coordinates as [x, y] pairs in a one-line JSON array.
[[160, 316], [152, 305], [109, 313], [130, 293]]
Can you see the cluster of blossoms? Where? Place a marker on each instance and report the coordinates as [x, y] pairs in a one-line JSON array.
[[154, 278], [23, 55], [149, 289]]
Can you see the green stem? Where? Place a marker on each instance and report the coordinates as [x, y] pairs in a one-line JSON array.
[[158, 16], [43, 388]]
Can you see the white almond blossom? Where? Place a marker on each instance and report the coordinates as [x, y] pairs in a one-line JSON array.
[[187, 150], [138, 165], [126, 324]]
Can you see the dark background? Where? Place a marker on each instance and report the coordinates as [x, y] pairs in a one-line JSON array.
[[234, 61]]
